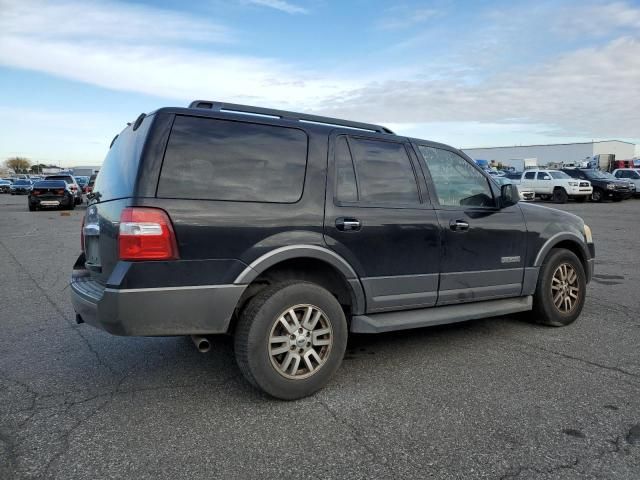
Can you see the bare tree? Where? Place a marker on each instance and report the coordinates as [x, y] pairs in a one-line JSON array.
[[18, 164]]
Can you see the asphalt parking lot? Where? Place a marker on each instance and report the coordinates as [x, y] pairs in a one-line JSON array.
[[496, 398]]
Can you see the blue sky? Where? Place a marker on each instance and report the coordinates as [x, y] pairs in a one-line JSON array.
[[482, 73]]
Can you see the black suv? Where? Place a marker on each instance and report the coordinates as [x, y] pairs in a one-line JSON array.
[[288, 231], [604, 184]]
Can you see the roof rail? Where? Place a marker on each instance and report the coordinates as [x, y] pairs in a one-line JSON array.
[[283, 114]]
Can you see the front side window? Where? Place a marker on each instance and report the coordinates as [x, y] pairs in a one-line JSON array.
[[543, 176], [211, 159], [384, 172], [457, 182]]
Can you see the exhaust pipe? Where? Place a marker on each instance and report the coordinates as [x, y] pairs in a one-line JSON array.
[[202, 343]]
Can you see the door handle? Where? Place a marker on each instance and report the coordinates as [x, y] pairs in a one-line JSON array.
[[347, 224], [458, 225]]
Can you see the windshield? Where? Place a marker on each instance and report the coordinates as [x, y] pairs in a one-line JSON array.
[[558, 175], [597, 174]]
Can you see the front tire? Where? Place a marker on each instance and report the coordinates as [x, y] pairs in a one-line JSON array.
[[561, 289], [560, 196], [597, 195], [290, 339]]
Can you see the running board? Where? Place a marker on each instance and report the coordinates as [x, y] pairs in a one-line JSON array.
[[426, 317]]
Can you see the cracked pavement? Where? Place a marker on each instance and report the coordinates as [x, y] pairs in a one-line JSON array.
[[495, 398]]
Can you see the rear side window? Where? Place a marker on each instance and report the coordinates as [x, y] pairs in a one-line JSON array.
[[119, 171], [346, 186], [211, 159], [530, 175], [384, 172]]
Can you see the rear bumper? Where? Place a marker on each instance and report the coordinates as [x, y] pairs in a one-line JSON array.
[[203, 309]]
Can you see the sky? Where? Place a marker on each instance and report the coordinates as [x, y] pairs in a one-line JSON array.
[[466, 73]]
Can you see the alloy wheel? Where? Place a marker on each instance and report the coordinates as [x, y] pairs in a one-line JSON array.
[[300, 341], [565, 289]]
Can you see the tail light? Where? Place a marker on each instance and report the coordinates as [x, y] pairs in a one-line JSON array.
[[59, 192], [35, 192], [146, 234]]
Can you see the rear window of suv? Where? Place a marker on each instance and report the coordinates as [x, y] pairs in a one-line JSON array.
[[211, 159], [117, 176]]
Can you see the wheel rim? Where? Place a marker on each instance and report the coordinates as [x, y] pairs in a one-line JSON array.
[[300, 341], [565, 290]]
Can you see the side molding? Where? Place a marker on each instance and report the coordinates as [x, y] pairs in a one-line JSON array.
[[290, 252]]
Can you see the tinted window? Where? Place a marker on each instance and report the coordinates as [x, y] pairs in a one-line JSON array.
[[559, 175], [51, 184], [225, 160], [457, 182], [346, 188], [118, 173], [66, 178], [530, 175], [543, 176], [385, 174]]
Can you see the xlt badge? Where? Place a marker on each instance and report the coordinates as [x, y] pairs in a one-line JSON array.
[[510, 259]]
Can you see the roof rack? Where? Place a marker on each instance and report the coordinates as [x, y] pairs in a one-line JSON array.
[[285, 115]]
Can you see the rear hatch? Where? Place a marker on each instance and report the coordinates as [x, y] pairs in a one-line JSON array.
[[114, 187], [49, 191]]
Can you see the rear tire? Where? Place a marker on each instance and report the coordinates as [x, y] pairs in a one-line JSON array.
[[32, 208], [561, 289], [287, 357], [560, 196]]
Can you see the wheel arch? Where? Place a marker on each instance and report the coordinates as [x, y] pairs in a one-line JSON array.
[[306, 262], [568, 241]]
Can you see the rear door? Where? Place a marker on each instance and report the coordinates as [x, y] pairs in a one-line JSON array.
[[379, 218], [484, 246]]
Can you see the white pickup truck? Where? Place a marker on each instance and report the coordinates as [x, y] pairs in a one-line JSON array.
[[555, 184]]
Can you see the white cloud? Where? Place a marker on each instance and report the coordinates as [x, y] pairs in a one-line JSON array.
[[109, 21], [281, 5], [590, 92], [401, 17], [598, 19]]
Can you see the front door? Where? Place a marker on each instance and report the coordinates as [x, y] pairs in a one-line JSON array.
[[483, 246], [379, 218]]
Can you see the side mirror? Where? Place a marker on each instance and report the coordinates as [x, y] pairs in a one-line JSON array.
[[509, 195]]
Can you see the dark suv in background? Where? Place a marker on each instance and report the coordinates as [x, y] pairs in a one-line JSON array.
[[605, 185], [288, 231]]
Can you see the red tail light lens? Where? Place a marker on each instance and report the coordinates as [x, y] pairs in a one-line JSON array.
[[146, 234], [59, 192], [35, 192]]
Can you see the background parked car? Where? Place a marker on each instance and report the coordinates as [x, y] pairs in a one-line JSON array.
[[524, 192], [72, 185], [21, 187], [51, 193], [556, 185], [631, 175], [5, 186], [83, 181], [92, 181], [604, 185]]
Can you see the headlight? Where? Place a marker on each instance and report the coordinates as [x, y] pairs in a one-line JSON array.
[[611, 186], [573, 184], [587, 234]]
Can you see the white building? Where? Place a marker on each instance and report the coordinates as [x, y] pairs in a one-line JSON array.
[[85, 171], [558, 153]]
